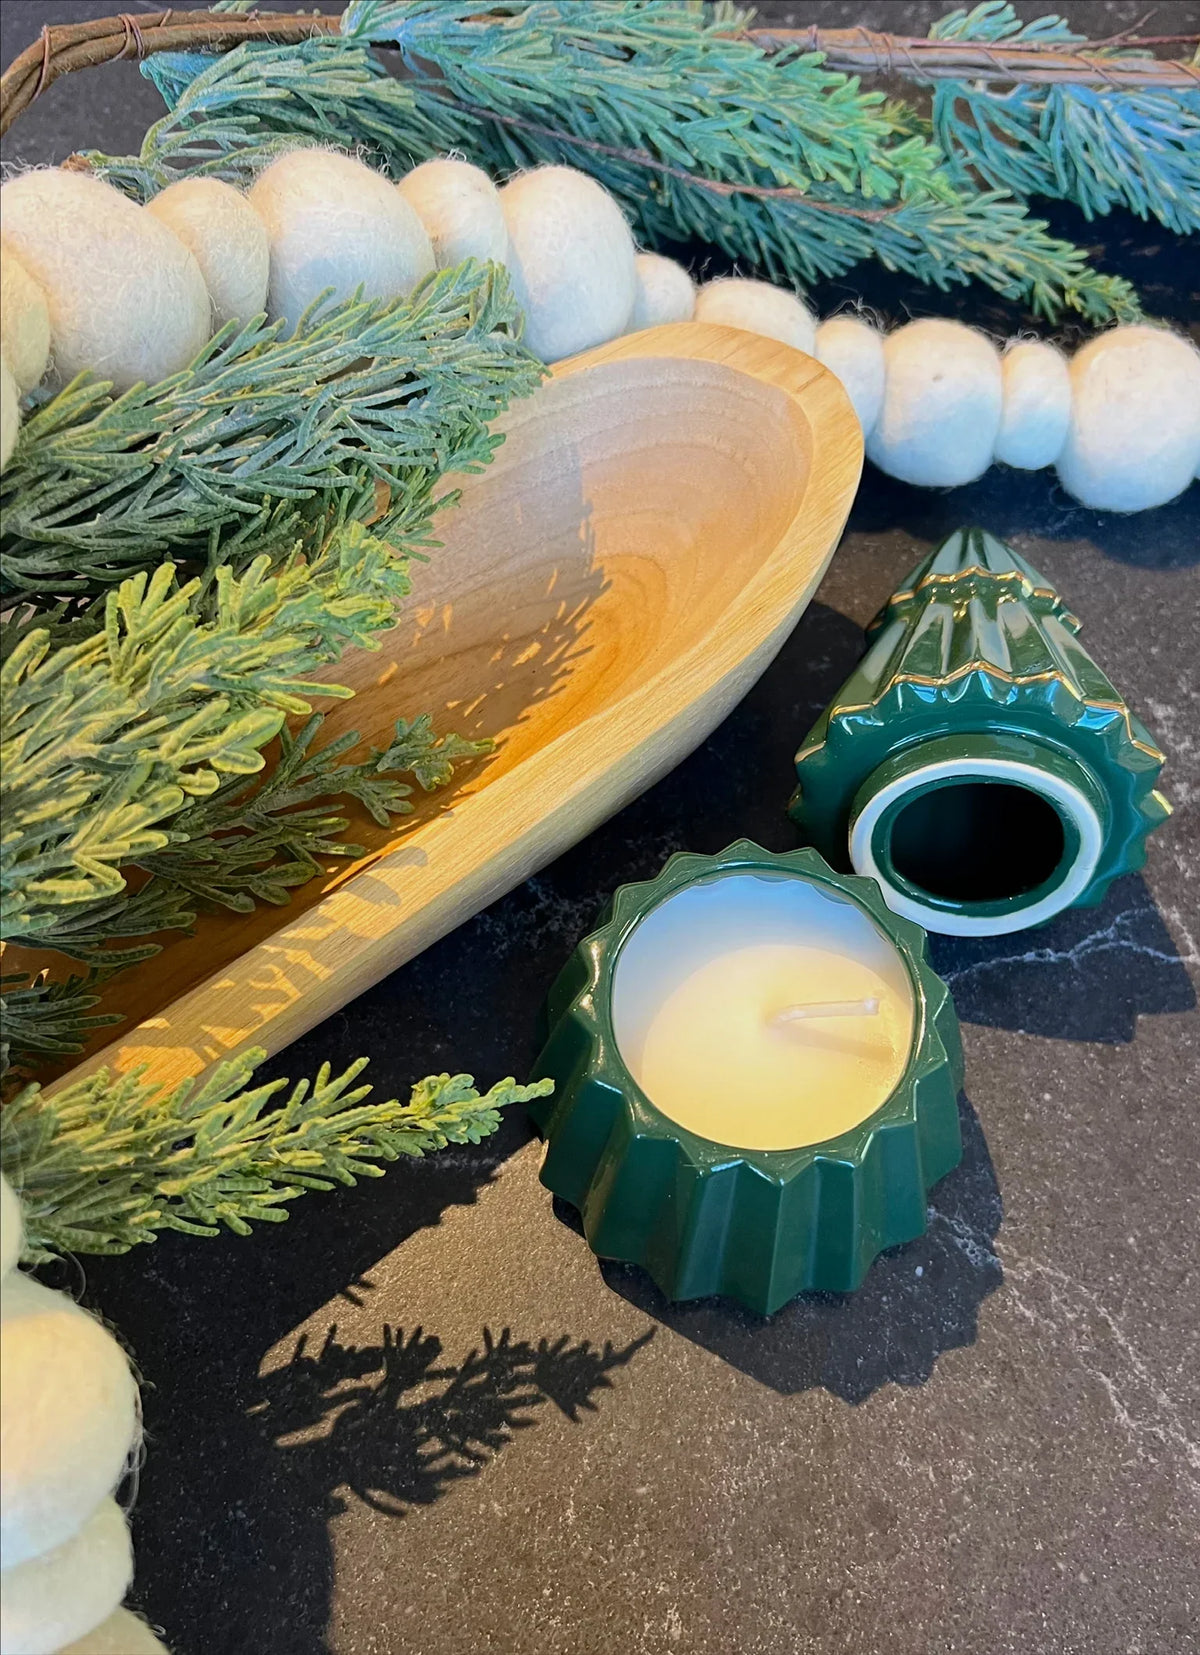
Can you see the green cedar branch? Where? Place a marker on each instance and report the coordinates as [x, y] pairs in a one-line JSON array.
[[43, 1019], [255, 842], [265, 444], [110, 1161], [103, 742], [702, 111]]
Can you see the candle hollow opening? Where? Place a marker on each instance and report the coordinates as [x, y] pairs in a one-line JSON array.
[[739, 1006], [978, 841]]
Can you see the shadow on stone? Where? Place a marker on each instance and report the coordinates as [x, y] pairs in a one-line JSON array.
[[392, 1425], [389, 1424], [916, 1302], [1088, 975]]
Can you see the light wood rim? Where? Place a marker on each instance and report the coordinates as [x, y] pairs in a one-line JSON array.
[[437, 876]]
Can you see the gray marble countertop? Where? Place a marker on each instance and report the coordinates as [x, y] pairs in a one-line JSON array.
[[421, 1419]]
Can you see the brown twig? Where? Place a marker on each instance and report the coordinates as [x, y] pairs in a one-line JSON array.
[[61, 50], [870, 52]]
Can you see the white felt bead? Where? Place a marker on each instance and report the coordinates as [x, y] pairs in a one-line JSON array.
[[12, 1228], [68, 1417], [1134, 439], [24, 321], [758, 307], [334, 223], [941, 405], [665, 292], [853, 350], [64, 1593], [571, 257], [126, 298], [121, 1634], [460, 208], [10, 414], [226, 238], [1036, 407]]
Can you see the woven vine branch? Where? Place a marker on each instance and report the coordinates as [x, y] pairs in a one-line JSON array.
[[62, 49]]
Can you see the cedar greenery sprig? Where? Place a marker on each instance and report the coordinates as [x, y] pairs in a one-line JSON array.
[[264, 444], [111, 1161], [132, 749], [44, 1019], [248, 842], [787, 166]]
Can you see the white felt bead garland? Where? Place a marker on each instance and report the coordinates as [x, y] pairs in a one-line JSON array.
[[10, 414], [571, 258], [24, 321], [1036, 410], [334, 223], [64, 1593], [1134, 438], [68, 1417], [936, 402], [121, 1634], [125, 297], [12, 1228], [460, 208], [941, 405], [226, 238], [758, 308], [665, 292], [852, 350]]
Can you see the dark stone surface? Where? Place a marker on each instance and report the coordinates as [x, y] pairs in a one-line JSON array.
[[420, 1419]]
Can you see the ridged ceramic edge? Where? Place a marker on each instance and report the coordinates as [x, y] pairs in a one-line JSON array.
[[862, 728], [704, 1218]]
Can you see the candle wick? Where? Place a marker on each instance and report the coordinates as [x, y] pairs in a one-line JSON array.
[[826, 1008]]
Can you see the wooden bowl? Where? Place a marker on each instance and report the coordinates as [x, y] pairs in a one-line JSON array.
[[648, 535]]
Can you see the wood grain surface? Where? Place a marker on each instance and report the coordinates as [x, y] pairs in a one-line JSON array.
[[655, 523]]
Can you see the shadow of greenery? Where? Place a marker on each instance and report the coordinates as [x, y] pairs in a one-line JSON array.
[[396, 1427], [1088, 975]]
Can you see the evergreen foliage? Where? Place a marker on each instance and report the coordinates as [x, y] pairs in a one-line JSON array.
[[264, 446], [1096, 146], [789, 167], [111, 1161], [178, 564]]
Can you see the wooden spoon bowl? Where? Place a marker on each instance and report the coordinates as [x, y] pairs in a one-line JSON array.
[[648, 535]]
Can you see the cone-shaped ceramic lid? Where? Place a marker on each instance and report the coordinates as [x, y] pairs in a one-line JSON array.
[[976, 644]]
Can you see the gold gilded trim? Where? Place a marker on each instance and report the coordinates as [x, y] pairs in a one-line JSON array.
[[1007, 575], [930, 682]]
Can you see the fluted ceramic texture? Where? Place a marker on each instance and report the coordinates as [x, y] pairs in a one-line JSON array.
[[757, 1225], [977, 642]]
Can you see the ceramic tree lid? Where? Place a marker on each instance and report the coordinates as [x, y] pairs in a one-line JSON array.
[[978, 762]]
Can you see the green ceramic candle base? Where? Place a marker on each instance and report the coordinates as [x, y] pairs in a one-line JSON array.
[[978, 763], [701, 1216]]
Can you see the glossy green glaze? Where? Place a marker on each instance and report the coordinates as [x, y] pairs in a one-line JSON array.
[[700, 1216], [975, 688]]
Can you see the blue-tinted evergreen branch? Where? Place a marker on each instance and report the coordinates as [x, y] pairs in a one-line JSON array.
[[791, 168], [1098, 146]]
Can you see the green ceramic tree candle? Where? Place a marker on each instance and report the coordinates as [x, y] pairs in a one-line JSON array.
[[756, 1077], [977, 762]]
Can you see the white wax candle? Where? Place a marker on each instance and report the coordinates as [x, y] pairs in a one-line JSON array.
[[705, 994]]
